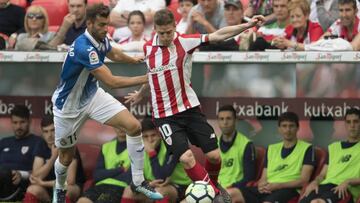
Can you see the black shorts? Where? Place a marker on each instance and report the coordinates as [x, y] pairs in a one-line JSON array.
[[104, 193], [190, 125], [325, 194], [252, 194]]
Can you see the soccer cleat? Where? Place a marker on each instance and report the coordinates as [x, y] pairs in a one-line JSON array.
[[147, 190], [223, 195], [59, 196]]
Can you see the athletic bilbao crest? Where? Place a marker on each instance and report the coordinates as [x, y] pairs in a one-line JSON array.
[[24, 149]]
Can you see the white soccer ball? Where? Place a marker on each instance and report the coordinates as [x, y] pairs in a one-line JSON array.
[[199, 192]]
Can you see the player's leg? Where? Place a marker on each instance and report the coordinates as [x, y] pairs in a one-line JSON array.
[[65, 140], [202, 134], [105, 109], [325, 193], [36, 193], [281, 195]]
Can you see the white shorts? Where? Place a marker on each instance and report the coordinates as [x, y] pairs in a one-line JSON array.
[[101, 108]]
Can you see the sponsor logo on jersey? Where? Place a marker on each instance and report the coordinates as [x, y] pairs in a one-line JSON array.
[[93, 57], [24, 149]]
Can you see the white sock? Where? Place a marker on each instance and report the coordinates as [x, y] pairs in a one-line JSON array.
[[135, 147], [60, 173]]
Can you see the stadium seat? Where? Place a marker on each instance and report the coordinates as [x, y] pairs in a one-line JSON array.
[[320, 161], [88, 154], [260, 157], [21, 3], [55, 9]]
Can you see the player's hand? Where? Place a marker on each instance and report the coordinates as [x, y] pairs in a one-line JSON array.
[[164, 183], [257, 20], [16, 177], [54, 151], [341, 190], [313, 186], [198, 17], [271, 187], [133, 98], [69, 19], [156, 182], [139, 59]]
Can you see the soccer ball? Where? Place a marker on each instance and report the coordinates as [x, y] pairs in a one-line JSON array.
[[199, 192]]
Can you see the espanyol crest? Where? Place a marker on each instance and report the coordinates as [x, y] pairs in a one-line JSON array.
[[24, 149]]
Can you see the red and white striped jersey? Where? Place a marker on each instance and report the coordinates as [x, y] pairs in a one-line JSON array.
[[169, 72], [337, 29]]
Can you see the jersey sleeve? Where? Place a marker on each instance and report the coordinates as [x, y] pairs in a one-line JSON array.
[[108, 46], [193, 41], [334, 28], [309, 158], [88, 57]]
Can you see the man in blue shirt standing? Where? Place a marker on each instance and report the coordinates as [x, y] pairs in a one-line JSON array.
[[78, 97], [17, 154]]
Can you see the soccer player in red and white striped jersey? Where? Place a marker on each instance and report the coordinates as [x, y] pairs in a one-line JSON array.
[[176, 108]]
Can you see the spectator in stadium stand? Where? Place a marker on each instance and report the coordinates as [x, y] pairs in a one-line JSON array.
[[2, 42], [261, 7], [37, 35], [237, 153], [184, 8], [347, 26], [206, 17], [325, 12], [73, 24], [339, 180], [301, 31], [112, 173], [136, 24], [163, 171], [120, 14], [266, 33], [288, 166], [42, 178], [9, 25], [17, 154]]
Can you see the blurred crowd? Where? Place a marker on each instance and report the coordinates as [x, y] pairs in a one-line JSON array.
[[294, 25]]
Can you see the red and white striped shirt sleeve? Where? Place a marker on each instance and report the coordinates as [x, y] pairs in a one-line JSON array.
[[193, 41]]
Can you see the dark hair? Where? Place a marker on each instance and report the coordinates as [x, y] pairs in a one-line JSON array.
[[2, 43], [353, 2], [136, 13], [47, 120], [352, 111], [21, 111], [85, 1], [97, 10], [192, 1], [147, 124], [289, 116], [164, 17], [228, 108]]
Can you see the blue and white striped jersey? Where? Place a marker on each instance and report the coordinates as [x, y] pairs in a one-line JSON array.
[[77, 85]]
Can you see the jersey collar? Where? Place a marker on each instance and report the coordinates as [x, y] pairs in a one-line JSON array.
[[156, 42], [97, 45]]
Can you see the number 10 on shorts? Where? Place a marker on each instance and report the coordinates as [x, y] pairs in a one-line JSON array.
[[166, 133]]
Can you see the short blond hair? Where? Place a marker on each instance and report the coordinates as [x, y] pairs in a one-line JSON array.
[[41, 10], [302, 4]]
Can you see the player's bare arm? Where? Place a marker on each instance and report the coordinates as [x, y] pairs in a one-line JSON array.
[[118, 56], [230, 31], [104, 74]]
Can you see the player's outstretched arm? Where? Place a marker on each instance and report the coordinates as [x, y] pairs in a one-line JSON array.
[[104, 74], [230, 31], [117, 55]]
